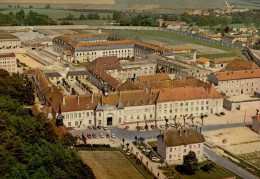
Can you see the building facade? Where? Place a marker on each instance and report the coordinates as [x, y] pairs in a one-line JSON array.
[[8, 62], [172, 146], [256, 124], [9, 41]]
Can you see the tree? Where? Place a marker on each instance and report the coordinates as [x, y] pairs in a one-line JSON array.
[[82, 17], [117, 16], [47, 6], [68, 140], [208, 166], [190, 163]]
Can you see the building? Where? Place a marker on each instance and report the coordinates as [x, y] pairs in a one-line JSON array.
[[9, 41], [235, 38], [203, 61], [236, 82], [221, 62], [182, 50], [8, 62], [112, 72], [210, 36], [175, 25], [80, 48], [54, 77], [240, 64], [256, 124], [172, 146], [152, 78]]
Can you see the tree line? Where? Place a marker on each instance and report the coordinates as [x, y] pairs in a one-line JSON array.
[[29, 147], [20, 18]]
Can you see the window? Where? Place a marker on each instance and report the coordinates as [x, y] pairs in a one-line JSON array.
[[99, 114], [76, 123], [165, 105], [184, 151], [198, 152], [79, 115], [190, 146], [181, 104], [89, 122], [199, 146], [170, 149], [71, 116], [67, 116], [160, 106], [69, 123], [87, 114], [119, 120], [170, 156]]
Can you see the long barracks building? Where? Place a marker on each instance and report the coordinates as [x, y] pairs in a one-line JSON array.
[[80, 48]]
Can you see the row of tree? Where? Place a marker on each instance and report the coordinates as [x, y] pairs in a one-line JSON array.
[[20, 18], [90, 16], [29, 147]]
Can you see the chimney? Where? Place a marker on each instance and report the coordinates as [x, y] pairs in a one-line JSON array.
[[78, 99], [92, 98], [63, 101]]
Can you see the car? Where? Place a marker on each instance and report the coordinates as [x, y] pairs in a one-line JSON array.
[[99, 127], [101, 135], [125, 148], [105, 128], [113, 136], [90, 127], [222, 113], [161, 126], [94, 135], [155, 159], [171, 124], [107, 135], [95, 128], [128, 153], [126, 127], [138, 128], [142, 127], [148, 150], [70, 128], [89, 135]]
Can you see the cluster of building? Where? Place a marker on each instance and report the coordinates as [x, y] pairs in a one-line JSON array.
[[9, 41]]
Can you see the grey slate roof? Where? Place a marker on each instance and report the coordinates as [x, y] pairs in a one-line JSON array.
[[76, 73], [52, 74]]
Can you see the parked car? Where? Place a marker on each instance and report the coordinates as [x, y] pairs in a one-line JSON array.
[[217, 114], [113, 136], [126, 127], [70, 128], [161, 126], [107, 135], [105, 128], [222, 113], [94, 135], [90, 127], [142, 127], [152, 126], [95, 128], [138, 128], [155, 159], [99, 127], [125, 148], [89, 135], [128, 153], [101, 135]]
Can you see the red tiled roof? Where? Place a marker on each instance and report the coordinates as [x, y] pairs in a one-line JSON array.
[[152, 78], [2, 55], [240, 64], [237, 75]]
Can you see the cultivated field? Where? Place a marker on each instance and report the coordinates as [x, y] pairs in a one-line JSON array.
[[60, 1], [109, 165], [28, 61]]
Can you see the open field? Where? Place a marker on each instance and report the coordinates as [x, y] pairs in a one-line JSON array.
[[253, 158], [171, 40], [245, 3], [61, 2], [30, 62], [240, 140], [109, 165]]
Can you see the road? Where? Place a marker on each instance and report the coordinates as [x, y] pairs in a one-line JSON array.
[[228, 165]]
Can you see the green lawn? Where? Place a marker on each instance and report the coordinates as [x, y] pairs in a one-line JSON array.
[[169, 38], [216, 173], [253, 158]]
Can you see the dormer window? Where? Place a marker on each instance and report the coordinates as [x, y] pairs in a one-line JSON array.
[[136, 103], [150, 101], [128, 103], [142, 101], [87, 106]]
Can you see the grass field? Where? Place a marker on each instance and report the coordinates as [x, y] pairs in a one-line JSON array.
[[245, 3], [216, 173], [109, 165], [175, 39], [253, 158]]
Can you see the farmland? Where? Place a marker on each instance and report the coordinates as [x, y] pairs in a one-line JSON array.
[[109, 164]]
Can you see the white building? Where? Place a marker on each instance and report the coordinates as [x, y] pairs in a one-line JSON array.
[[8, 62], [172, 146], [9, 41]]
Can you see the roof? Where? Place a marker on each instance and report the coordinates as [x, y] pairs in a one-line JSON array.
[[52, 74], [8, 36], [202, 60], [2, 55], [76, 73], [182, 137], [237, 75], [156, 77], [119, 99], [240, 64], [60, 131], [181, 49], [222, 60], [71, 37], [180, 94], [128, 85]]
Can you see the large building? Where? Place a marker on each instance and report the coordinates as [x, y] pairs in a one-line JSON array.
[[172, 146], [9, 41], [79, 48], [8, 62], [236, 82]]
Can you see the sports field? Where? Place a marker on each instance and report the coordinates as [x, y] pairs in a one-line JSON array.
[[28, 61], [109, 165]]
